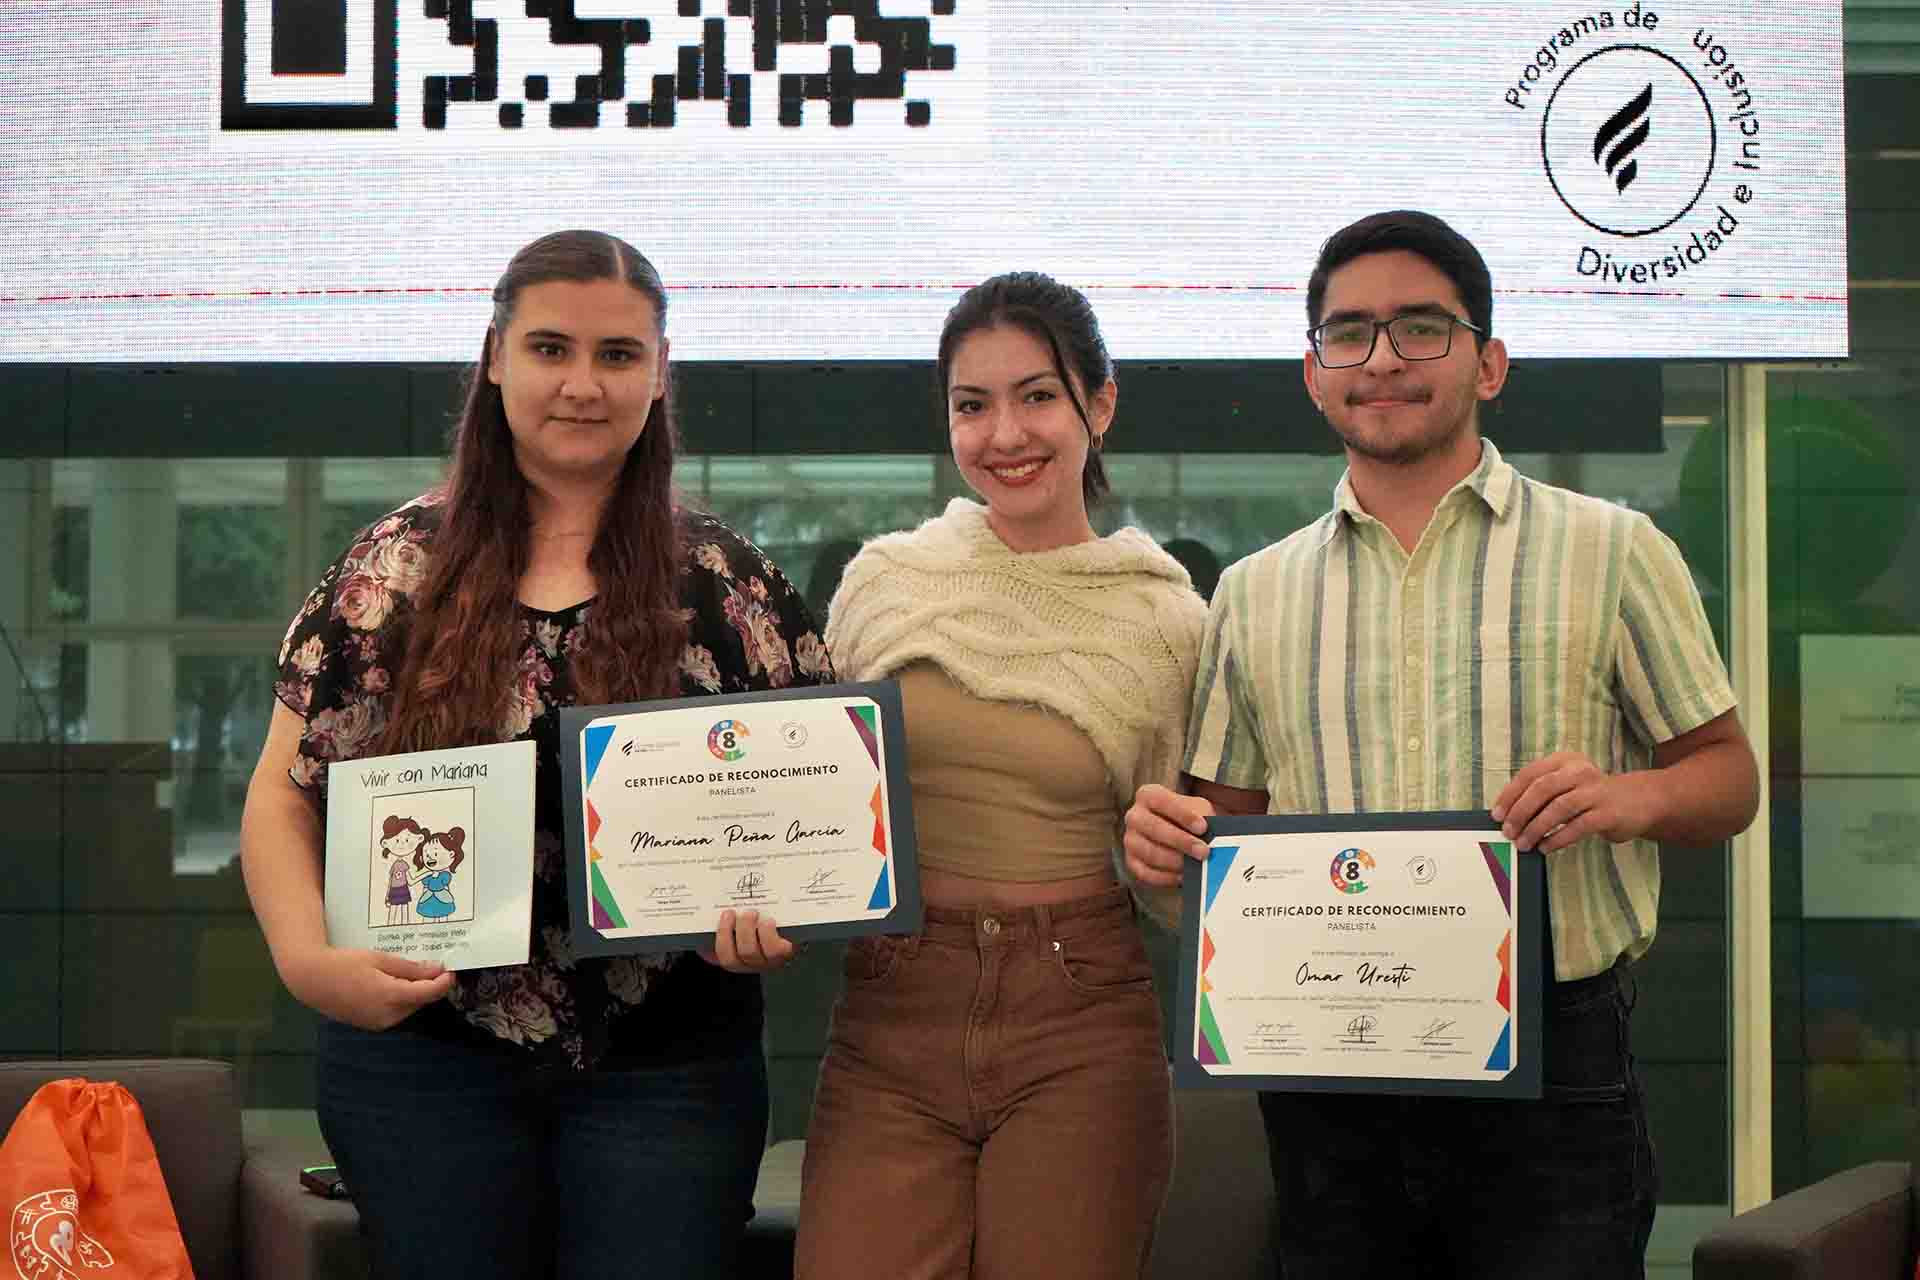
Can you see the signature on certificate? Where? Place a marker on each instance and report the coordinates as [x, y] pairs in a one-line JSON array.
[[1273, 1031], [1360, 1029], [1436, 1033], [750, 884], [823, 879], [667, 891]]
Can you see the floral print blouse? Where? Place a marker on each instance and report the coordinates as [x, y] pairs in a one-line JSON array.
[[748, 630]]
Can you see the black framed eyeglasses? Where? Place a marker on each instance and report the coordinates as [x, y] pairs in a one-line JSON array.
[[1418, 335]]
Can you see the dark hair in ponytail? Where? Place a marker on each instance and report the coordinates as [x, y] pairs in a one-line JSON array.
[[1055, 314]]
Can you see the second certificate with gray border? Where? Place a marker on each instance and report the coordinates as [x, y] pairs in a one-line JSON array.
[[1362, 953], [792, 802]]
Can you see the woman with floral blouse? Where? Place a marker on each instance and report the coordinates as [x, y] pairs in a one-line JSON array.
[[568, 1116]]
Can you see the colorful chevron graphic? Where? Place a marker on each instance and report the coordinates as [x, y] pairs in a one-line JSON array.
[[1219, 862], [866, 723], [1211, 1051], [1501, 1059], [1504, 993], [883, 888], [1210, 1047], [1499, 857], [594, 740], [605, 910]]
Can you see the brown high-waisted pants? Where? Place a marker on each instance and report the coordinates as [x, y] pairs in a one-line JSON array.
[[993, 1102]]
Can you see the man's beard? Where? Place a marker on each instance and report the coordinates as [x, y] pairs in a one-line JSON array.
[[1406, 451]]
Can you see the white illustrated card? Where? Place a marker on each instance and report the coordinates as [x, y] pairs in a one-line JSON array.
[[430, 855]]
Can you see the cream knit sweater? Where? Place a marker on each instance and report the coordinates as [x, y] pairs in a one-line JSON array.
[[1106, 633]]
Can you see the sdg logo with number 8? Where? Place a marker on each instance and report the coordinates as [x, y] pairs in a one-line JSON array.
[[1348, 866], [728, 740]]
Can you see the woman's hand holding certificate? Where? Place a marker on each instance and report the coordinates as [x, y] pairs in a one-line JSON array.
[[748, 942]]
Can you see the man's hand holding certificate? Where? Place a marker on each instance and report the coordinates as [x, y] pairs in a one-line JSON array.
[[790, 804]]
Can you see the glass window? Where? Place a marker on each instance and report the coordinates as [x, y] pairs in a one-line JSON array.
[[1844, 574], [222, 703], [354, 492]]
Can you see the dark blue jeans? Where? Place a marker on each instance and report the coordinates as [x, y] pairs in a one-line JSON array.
[[463, 1163], [1558, 1189]]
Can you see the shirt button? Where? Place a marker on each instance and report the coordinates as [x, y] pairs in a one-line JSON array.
[[1413, 743], [989, 926]]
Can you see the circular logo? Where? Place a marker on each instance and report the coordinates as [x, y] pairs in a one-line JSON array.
[[793, 733], [45, 1228], [728, 740], [1348, 866], [1628, 140], [1422, 869]]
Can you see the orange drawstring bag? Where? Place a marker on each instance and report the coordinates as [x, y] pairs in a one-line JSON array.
[[83, 1191]]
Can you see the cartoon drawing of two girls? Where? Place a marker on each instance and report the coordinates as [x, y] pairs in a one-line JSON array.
[[433, 855]]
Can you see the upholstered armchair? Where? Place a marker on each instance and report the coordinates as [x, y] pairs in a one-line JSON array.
[[1863, 1224]]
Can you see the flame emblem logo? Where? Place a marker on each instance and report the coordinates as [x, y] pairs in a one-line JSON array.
[[1619, 162], [1604, 157]]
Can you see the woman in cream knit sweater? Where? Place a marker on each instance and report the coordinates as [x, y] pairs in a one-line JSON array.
[[994, 1096]]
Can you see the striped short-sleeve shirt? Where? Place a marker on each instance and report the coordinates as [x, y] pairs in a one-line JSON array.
[[1342, 675]]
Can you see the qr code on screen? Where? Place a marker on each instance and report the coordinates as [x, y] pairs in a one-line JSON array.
[[579, 64]]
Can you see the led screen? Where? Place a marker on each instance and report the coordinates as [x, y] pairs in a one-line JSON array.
[[322, 180]]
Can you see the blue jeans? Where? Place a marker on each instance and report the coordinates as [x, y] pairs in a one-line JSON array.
[[465, 1163], [1557, 1189]]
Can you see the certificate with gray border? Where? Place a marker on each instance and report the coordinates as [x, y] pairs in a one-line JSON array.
[[1399, 953], [791, 802]]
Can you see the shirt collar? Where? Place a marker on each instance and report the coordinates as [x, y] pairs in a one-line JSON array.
[[1494, 480]]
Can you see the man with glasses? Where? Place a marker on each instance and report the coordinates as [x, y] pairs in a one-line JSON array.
[[1454, 635]]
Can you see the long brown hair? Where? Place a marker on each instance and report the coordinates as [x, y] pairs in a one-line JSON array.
[[459, 675]]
